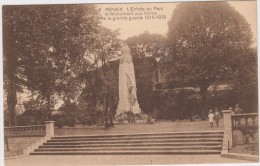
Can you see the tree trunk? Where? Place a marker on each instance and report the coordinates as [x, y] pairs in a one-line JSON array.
[[203, 94], [111, 121], [12, 100], [10, 71], [106, 111], [49, 105]]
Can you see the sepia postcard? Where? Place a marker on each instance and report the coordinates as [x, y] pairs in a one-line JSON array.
[[129, 83]]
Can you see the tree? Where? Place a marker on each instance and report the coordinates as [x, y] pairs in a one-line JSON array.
[[205, 42], [44, 47], [105, 48], [147, 44], [145, 69], [245, 84]]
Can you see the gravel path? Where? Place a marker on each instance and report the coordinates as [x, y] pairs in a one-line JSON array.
[[161, 126]]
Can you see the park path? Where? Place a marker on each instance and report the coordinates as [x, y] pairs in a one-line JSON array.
[[160, 126], [119, 160]]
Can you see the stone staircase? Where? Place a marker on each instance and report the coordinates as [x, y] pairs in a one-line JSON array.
[[185, 143]]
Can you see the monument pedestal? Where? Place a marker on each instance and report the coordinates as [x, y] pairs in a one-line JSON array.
[[136, 109], [125, 107]]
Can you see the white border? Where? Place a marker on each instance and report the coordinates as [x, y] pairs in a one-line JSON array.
[[27, 2]]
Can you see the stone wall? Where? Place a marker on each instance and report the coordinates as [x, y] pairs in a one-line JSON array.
[[238, 137], [17, 145], [239, 140]]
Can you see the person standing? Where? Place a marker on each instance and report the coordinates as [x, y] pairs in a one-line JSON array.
[[217, 116], [237, 109], [211, 118], [231, 109]]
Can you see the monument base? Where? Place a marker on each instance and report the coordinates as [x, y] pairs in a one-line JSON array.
[[136, 109], [126, 122], [125, 107], [130, 117]]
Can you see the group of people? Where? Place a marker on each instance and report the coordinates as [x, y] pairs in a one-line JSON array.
[[216, 116]]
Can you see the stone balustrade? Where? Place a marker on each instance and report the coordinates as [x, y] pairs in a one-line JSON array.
[[246, 124], [245, 128], [24, 139], [25, 131], [240, 120], [46, 130]]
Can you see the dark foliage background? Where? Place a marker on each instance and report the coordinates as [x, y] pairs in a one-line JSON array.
[[61, 52]]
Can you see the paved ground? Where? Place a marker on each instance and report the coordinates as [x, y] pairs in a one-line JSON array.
[[249, 149], [119, 160], [161, 126]]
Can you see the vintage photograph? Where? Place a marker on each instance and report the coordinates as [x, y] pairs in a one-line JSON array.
[[161, 83]]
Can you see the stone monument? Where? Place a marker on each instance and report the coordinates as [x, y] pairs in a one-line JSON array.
[[127, 85]]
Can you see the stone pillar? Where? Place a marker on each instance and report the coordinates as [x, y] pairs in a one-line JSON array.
[[49, 129], [227, 140]]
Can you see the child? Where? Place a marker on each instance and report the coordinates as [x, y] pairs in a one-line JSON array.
[[211, 118]]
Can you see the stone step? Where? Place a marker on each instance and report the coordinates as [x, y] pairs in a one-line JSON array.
[[131, 148], [209, 142], [127, 152], [220, 133], [135, 141], [134, 144], [135, 138]]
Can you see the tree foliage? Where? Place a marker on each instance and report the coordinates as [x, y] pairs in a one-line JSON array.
[[100, 92], [45, 47], [145, 70], [207, 42], [147, 44], [245, 84]]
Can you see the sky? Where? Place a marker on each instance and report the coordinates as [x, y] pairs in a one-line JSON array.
[[160, 26]]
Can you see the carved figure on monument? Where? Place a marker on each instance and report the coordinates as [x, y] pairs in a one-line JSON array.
[[131, 92]]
